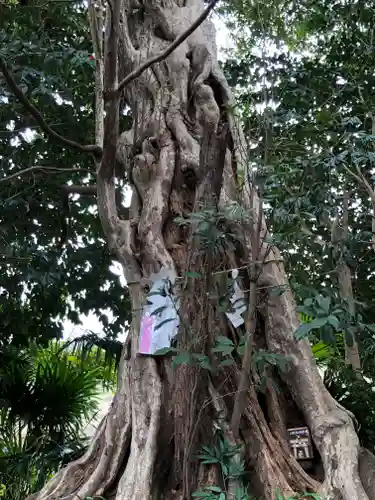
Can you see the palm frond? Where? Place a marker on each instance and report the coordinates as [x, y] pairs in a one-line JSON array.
[[103, 351], [47, 396]]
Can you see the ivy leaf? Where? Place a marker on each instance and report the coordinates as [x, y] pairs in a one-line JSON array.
[[182, 359], [224, 349], [203, 361]]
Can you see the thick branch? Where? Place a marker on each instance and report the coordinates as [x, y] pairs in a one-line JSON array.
[[96, 26], [163, 55], [111, 122], [38, 117], [345, 283], [105, 174]]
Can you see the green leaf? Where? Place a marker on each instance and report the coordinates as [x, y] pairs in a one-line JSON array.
[[333, 321], [324, 303], [207, 449], [321, 351], [224, 468], [318, 322], [279, 496], [277, 291], [370, 327], [163, 351], [182, 359], [216, 489], [227, 362], [192, 274], [241, 349], [327, 336], [224, 349], [203, 361], [304, 329], [224, 341], [181, 221]]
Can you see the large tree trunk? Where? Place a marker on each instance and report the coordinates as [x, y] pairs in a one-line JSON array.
[[183, 154]]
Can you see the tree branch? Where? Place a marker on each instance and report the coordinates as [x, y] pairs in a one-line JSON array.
[[96, 26], [163, 55], [39, 167], [122, 211], [38, 117], [83, 190], [363, 182], [251, 320], [106, 190]]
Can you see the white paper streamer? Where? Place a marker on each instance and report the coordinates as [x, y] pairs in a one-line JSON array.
[[238, 302], [160, 320]]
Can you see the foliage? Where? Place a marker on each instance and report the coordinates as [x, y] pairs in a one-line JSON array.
[[97, 352], [47, 396], [311, 125], [212, 226], [54, 260], [223, 454], [300, 496], [356, 395], [47, 47], [303, 83], [226, 456]]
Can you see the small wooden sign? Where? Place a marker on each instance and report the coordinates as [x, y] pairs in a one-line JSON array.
[[300, 443]]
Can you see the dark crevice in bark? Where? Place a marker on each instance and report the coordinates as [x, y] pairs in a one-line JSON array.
[[262, 400], [112, 488]]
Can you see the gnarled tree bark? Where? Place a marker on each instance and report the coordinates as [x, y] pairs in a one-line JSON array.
[[183, 153]]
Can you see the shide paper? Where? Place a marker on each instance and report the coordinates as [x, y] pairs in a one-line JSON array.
[[238, 302], [160, 320]]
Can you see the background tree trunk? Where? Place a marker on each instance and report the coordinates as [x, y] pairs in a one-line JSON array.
[[175, 160]]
